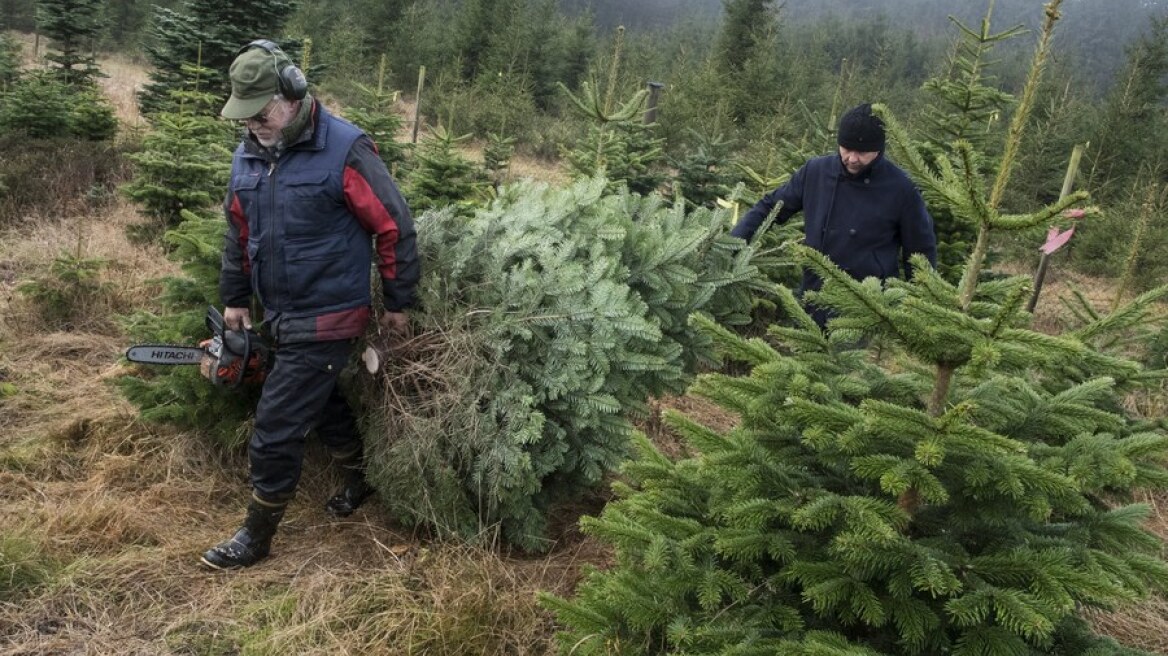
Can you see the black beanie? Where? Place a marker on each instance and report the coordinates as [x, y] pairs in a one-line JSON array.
[[861, 130]]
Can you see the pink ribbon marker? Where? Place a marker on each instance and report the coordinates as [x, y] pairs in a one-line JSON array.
[[1056, 240]]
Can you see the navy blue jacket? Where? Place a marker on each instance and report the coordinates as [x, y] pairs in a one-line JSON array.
[[301, 230], [868, 224]]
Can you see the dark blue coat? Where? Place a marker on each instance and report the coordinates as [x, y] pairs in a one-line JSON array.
[[868, 224], [301, 228]]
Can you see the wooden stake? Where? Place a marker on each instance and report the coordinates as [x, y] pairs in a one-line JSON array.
[[418, 102], [1044, 261], [651, 106]]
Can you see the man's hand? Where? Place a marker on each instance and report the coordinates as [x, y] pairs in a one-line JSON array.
[[397, 324], [237, 318]]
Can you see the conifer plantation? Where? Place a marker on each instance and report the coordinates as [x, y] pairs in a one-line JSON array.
[[613, 428], [966, 492]]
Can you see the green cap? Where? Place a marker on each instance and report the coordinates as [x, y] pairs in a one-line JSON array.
[[254, 81]]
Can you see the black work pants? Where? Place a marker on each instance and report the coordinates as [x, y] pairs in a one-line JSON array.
[[299, 394]]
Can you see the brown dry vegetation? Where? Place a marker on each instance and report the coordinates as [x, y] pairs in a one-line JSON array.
[[104, 517]]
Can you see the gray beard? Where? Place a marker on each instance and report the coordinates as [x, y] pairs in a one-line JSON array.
[[276, 145]]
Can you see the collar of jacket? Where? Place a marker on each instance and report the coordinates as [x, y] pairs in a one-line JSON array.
[[310, 138]]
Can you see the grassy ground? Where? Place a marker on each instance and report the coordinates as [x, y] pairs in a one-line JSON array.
[[104, 517]]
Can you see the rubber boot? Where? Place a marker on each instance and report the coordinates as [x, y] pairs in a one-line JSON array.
[[354, 490], [252, 542]]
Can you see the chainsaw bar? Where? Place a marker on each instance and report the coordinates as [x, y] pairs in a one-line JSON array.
[[165, 354]]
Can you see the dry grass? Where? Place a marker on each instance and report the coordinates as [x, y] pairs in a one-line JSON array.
[[127, 272], [1050, 315], [696, 408], [130, 583], [29, 44], [125, 80]]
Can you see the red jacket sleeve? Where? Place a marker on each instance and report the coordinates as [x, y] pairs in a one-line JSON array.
[[373, 197]]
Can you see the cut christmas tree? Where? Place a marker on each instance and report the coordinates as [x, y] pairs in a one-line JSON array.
[[549, 319]]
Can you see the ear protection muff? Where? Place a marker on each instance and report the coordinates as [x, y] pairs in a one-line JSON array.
[[290, 79]]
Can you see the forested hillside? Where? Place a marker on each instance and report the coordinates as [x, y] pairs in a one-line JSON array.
[[613, 428], [1087, 24]]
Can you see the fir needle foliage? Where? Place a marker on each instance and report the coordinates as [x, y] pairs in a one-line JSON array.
[[74, 27], [211, 32], [440, 175], [617, 145], [181, 175], [964, 103], [549, 316], [963, 109], [965, 493]]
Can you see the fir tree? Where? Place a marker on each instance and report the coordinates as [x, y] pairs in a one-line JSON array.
[[439, 175], [9, 62], [747, 58], [964, 105], [37, 106], [1061, 125], [1127, 241], [74, 27], [185, 158], [706, 172], [618, 145], [181, 176], [180, 396], [743, 31], [966, 495], [964, 108], [497, 157], [376, 117], [476, 22], [548, 316], [209, 32], [91, 116], [627, 152], [1134, 109], [64, 101], [513, 41]]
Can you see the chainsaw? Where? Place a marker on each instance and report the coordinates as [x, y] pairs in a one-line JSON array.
[[228, 359]]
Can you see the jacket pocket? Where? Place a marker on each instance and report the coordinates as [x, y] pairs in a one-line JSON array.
[[311, 205], [328, 358], [245, 189], [245, 182], [318, 271]]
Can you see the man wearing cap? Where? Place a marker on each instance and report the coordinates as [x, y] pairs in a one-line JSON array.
[[308, 203], [859, 209]]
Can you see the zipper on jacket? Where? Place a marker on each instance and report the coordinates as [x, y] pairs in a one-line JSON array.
[[272, 277]]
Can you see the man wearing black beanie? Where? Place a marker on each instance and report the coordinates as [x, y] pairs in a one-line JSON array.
[[859, 209]]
